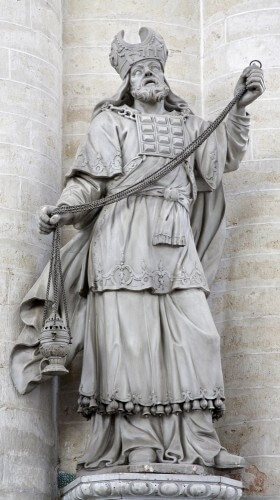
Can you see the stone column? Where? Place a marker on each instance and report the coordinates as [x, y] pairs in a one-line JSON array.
[[89, 28], [30, 101], [245, 297]]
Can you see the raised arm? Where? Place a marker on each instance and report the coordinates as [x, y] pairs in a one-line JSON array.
[[225, 148], [237, 124]]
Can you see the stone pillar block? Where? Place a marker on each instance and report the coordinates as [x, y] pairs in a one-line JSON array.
[[129, 485], [30, 101], [245, 298]]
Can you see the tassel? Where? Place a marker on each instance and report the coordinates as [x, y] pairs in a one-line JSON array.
[[218, 403], [203, 404], [129, 407], [137, 409], [153, 410], [114, 404], [167, 409], [112, 407], [187, 406]]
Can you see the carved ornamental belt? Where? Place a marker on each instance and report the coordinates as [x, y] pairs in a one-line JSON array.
[[172, 226]]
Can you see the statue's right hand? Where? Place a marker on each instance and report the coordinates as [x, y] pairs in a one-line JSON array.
[[48, 222]]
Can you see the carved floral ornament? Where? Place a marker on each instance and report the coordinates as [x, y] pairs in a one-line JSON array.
[[183, 487]]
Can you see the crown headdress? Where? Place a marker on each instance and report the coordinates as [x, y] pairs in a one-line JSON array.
[[123, 54]]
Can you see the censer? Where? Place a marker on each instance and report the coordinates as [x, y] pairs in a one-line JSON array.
[[55, 335]]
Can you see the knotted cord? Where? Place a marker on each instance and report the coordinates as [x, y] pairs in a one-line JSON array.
[[55, 271]]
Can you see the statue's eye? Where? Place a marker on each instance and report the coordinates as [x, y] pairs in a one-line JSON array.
[[137, 72]]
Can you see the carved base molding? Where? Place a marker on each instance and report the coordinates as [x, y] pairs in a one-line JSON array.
[[139, 485]]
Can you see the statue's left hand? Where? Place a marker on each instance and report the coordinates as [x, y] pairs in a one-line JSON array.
[[253, 78]]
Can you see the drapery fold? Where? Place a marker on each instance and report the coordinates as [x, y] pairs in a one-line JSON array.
[[175, 439]]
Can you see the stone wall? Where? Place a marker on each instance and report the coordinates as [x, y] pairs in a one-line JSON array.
[[30, 101], [89, 28], [245, 297], [210, 42]]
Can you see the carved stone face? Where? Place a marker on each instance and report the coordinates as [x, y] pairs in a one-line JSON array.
[[147, 81]]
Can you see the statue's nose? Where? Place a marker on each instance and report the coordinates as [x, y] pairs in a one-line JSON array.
[[148, 72]]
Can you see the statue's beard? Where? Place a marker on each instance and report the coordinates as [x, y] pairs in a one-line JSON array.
[[151, 94]]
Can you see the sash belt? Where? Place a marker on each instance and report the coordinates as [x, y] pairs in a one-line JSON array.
[[173, 223]]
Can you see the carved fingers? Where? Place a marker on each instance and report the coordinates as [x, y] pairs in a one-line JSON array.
[[253, 78], [47, 222]]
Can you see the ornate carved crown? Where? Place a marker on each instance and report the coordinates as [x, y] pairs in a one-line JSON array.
[[123, 55]]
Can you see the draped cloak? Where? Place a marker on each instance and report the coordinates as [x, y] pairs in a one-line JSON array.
[[167, 238]]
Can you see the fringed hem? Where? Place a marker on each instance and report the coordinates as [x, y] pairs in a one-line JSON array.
[[90, 406]]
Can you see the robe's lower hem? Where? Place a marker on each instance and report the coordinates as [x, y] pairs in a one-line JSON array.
[[89, 406], [187, 438]]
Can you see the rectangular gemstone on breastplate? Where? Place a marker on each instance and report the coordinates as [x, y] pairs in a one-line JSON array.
[[177, 151], [146, 119], [161, 120], [147, 128], [177, 131], [148, 137], [164, 149], [164, 139], [149, 148], [175, 121], [162, 130], [178, 142]]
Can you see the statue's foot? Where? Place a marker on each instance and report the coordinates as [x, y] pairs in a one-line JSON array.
[[142, 455], [225, 460]]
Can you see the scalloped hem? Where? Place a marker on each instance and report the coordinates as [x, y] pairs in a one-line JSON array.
[[89, 406]]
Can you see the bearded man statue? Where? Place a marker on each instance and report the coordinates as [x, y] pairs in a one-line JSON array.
[[137, 274]]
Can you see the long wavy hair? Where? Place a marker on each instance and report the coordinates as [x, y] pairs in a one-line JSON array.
[[171, 102]]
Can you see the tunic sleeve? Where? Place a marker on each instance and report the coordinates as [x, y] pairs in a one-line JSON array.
[[100, 154], [222, 151], [98, 159], [81, 189], [237, 130]]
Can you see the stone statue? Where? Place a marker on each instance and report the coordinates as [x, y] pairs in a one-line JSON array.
[[138, 272]]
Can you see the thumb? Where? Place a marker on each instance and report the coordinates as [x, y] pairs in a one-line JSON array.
[[55, 219]]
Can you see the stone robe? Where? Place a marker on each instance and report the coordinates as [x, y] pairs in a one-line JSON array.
[[150, 344]]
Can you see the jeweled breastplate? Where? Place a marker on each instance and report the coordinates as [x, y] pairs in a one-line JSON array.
[[160, 135]]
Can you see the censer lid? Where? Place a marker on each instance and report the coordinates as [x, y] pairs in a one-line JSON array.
[[54, 322]]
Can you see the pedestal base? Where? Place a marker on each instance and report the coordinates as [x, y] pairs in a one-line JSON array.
[[139, 485]]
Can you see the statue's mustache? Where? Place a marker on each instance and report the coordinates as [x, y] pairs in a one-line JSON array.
[[147, 80]]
